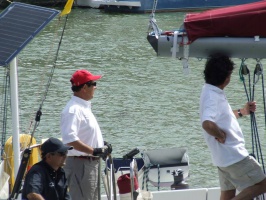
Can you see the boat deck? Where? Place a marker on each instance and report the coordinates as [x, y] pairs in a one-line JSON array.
[[188, 194]]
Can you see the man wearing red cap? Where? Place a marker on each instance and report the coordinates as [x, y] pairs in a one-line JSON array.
[[80, 129]]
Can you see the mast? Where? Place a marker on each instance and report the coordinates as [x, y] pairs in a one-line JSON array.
[[15, 114]]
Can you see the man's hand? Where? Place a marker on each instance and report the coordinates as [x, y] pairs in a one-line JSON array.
[[34, 196], [249, 107], [221, 138], [110, 149], [101, 152], [212, 129]]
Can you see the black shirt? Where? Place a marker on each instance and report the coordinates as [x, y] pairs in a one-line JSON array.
[[44, 180]]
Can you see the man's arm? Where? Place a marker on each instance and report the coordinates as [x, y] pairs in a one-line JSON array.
[[246, 110], [212, 129], [80, 146], [34, 196], [33, 186]]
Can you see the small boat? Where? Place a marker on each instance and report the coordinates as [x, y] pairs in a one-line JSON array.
[[235, 31], [147, 6]]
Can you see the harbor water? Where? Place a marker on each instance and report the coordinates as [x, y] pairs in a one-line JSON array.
[[141, 101]]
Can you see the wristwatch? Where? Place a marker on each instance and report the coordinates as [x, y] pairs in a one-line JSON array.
[[239, 113]]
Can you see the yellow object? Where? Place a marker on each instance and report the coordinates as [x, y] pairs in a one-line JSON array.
[[67, 8], [9, 155]]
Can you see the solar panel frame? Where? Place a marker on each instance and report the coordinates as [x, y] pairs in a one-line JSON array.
[[19, 24]]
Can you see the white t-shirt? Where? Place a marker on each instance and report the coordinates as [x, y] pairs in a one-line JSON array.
[[215, 107], [79, 123]]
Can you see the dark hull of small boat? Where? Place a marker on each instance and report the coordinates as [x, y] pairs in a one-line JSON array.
[[146, 6]]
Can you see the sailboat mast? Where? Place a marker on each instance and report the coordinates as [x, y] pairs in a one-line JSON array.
[[15, 114]]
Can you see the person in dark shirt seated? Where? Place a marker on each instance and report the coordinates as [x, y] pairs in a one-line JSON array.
[[46, 179]]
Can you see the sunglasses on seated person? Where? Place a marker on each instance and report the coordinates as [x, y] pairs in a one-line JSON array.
[[59, 153]]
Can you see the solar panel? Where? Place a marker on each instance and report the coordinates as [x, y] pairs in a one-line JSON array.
[[19, 24]]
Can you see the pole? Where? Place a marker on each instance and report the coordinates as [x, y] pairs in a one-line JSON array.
[[99, 180], [15, 114], [112, 175]]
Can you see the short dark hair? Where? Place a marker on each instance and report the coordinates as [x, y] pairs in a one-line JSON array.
[[217, 68], [77, 88]]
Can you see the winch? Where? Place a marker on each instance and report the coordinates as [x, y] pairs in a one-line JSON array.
[[179, 182]]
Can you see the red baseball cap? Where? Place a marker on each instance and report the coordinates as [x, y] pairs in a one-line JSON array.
[[83, 76]]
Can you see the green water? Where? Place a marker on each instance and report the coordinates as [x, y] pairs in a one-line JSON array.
[[142, 100]]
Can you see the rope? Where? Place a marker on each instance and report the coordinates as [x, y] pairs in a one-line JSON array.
[[259, 67], [146, 177], [256, 146], [257, 72], [158, 167], [143, 179], [244, 71]]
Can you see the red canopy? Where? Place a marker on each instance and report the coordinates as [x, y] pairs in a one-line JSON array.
[[246, 20]]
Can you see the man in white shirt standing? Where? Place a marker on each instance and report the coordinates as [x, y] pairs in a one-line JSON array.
[[223, 135], [80, 129]]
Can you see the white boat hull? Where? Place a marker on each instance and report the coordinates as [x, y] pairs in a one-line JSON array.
[[187, 194]]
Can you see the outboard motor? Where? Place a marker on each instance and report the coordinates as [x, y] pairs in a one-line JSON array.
[[179, 182]]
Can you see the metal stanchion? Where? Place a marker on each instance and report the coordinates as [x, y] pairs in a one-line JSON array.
[[99, 179], [112, 175]]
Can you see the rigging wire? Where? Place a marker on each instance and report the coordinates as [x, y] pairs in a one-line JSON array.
[[152, 25], [33, 115], [154, 6], [259, 71], [27, 151], [256, 141], [250, 97], [4, 108], [256, 146], [244, 71], [39, 112]]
